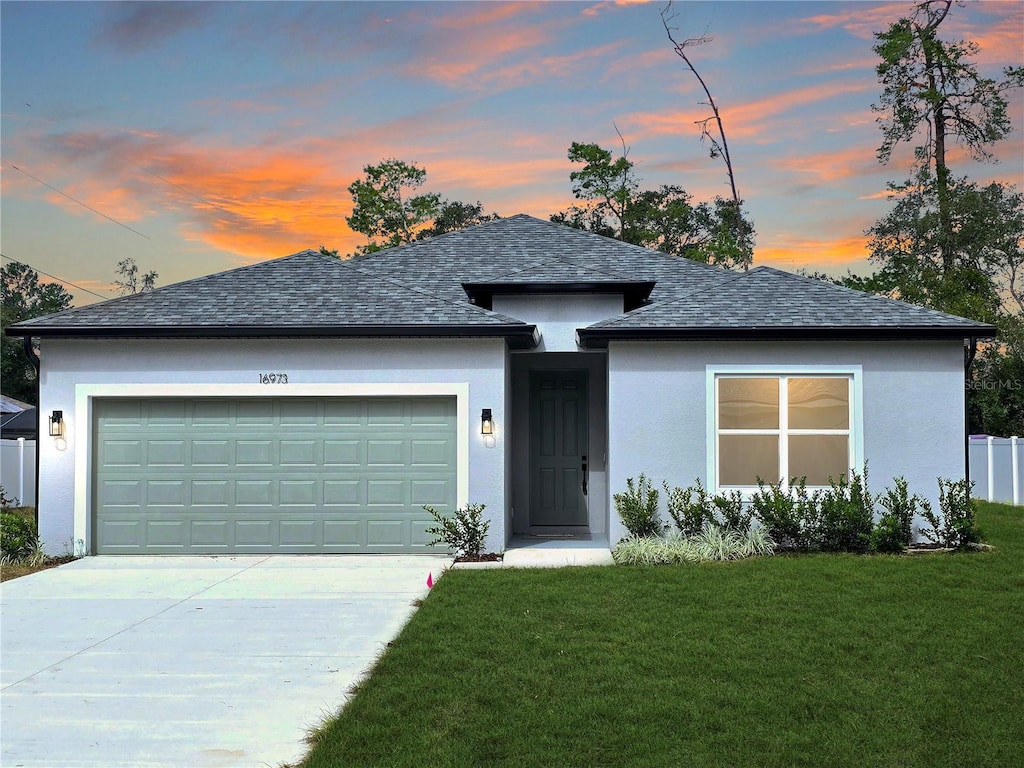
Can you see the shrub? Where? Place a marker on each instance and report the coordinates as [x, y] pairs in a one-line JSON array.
[[845, 516], [464, 532], [887, 535], [689, 508], [782, 515], [733, 512], [955, 525], [638, 508], [18, 537], [903, 506], [7, 501]]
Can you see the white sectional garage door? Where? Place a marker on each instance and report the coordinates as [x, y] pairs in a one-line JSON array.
[[251, 475]]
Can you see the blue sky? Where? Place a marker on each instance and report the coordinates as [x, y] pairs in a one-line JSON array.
[[218, 134]]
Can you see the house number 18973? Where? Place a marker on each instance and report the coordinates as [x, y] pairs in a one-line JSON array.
[[273, 378]]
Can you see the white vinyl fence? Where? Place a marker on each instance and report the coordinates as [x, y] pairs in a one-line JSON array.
[[18, 470], [997, 468]]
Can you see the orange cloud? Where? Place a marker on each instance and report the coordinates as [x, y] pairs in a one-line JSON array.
[[792, 252], [831, 166], [749, 120]]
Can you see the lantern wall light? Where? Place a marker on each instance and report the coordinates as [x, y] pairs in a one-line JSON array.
[[486, 423], [57, 424]]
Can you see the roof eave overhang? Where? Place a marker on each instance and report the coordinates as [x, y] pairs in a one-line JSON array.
[[519, 336], [634, 292], [598, 338]]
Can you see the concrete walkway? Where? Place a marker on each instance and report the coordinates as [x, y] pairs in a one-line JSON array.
[[191, 661]]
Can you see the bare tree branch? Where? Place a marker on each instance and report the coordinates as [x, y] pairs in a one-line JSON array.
[[719, 143]]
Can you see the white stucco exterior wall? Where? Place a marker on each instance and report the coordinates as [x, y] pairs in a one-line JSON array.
[[76, 370], [557, 316], [913, 407]]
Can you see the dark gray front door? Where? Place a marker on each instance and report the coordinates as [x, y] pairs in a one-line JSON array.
[[558, 448]]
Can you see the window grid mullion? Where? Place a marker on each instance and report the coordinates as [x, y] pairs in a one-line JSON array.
[[784, 432]]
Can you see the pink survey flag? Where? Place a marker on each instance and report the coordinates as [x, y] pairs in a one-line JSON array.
[[430, 581]]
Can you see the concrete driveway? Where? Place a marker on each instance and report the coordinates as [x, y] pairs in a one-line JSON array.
[[191, 661]]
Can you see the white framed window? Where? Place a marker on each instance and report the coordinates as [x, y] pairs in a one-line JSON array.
[[779, 424]]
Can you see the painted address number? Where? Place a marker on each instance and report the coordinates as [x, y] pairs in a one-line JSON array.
[[273, 378]]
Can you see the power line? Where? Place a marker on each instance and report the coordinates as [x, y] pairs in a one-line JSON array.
[[54, 277], [79, 202]]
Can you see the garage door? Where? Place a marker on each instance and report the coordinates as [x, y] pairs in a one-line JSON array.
[[248, 475]]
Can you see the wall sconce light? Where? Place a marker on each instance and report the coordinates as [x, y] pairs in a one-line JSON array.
[[486, 423], [57, 424]]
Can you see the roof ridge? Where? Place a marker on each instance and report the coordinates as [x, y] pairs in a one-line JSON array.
[[406, 246], [559, 260]]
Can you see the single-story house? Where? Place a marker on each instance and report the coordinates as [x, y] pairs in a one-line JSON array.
[[310, 404]]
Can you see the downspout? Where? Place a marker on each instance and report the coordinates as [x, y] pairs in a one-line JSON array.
[[970, 350], [33, 358]]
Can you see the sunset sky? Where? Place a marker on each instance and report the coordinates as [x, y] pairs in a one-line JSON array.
[[204, 136]]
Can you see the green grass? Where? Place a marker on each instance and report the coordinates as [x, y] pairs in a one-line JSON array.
[[829, 660]]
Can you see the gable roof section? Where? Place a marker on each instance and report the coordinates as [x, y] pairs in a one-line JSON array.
[[766, 303], [506, 250], [306, 294]]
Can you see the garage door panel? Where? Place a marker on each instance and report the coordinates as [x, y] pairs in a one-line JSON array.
[[167, 453], [254, 453], [167, 493], [271, 475], [299, 533], [299, 453], [121, 453], [210, 533], [123, 493], [298, 493], [211, 453], [386, 453], [386, 533], [211, 493], [344, 453], [344, 493], [124, 535], [166, 533], [254, 533]]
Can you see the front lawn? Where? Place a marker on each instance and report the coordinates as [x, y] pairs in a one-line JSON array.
[[824, 660]]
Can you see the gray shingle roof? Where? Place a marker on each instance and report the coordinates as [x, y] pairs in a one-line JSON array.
[[305, 291], [418, 289], [493, 251], [764, 300]]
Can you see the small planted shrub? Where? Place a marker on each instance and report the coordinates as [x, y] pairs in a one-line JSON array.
[[845, 516], [733, 513], [782, 515], [904, 507], [690, 508], [638, 508], [18, 537], [887, 535], [464, 532], [954, 526]]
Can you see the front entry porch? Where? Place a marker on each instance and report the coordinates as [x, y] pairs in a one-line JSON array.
[[558, 439]]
